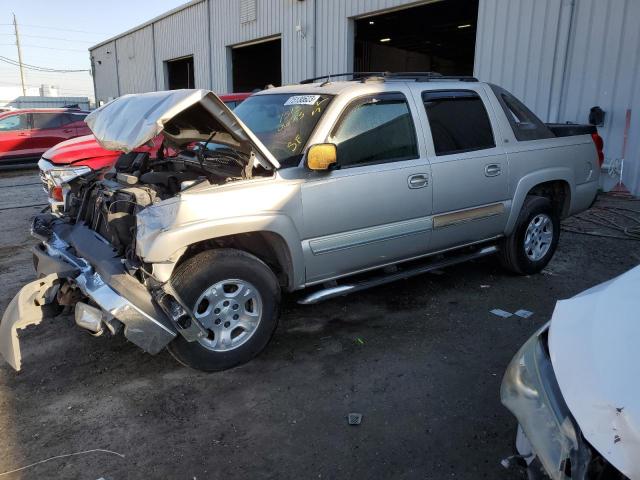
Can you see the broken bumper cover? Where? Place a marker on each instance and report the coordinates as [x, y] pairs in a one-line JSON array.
[[105, 282], [548, 436], [25, 309]]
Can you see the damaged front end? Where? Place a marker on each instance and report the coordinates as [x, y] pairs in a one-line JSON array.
[[549, 441], [73, 264], [90, 254]]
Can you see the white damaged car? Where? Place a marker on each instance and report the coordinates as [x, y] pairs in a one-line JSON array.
[[574, 387]]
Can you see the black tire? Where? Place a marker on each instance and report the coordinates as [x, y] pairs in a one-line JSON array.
[[196, 275], [512, 255]]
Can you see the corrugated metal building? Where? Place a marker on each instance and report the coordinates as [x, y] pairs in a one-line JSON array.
[[561, 57]]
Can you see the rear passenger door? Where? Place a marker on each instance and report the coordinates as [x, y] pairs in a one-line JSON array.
[[375, 207], [49, 129], [470, 172]]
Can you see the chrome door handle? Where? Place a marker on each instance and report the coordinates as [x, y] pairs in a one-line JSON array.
[[492, 170], [418, 180]]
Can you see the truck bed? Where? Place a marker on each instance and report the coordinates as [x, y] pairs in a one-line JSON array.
[[570, 129]]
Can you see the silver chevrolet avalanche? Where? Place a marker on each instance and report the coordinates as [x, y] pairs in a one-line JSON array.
[[326, 186]]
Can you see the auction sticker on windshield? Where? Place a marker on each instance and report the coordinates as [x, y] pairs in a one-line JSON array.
[[302, 100]]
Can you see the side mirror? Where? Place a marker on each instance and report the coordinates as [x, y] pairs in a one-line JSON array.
[[322, 156]]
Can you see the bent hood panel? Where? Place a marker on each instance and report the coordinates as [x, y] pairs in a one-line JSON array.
[[594, 344], [183, 116], [76, 149]]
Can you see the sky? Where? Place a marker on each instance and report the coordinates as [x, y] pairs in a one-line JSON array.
[[57, 34]]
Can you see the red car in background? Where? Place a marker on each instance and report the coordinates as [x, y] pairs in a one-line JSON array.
[[26, 134], [75, 157]]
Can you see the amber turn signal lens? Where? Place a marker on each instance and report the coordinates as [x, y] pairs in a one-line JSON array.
[[56, 194]]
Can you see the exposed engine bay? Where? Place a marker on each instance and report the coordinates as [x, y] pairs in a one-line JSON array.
[[109, 202]]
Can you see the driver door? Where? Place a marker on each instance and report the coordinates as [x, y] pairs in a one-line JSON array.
[[374, 208]]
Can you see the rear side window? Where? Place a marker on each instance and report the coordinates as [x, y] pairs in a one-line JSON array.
[[458, 120], [375, 129], [48, 120], [525, 124], [73, 117]]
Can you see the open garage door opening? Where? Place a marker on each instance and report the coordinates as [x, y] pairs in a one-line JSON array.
[[438, 37], [180, 73], [256, 66]]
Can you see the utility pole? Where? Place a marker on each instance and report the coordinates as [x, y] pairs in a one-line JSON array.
[[15, 26]]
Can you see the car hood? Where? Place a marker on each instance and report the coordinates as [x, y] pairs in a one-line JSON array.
[[182, 116], [594, 344], [75, 150]]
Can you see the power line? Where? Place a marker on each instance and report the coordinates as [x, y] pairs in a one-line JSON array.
[[39, 68], [51, 38]]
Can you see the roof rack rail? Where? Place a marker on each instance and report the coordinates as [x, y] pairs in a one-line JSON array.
[[355, 75], [417, 76], [427, 76]]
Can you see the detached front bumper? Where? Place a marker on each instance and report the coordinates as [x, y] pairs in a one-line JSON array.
[[77, 255]]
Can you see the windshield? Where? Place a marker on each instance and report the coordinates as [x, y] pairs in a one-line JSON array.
[[283, 122]]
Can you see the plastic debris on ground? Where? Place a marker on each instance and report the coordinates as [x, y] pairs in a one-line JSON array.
[[501, 313], [523, 313], [354, 418]]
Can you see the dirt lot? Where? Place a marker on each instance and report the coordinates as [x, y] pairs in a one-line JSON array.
[[422, 360]]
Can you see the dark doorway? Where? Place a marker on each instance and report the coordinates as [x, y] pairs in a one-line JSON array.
[[438, 37], [180, 73], [256, 66]]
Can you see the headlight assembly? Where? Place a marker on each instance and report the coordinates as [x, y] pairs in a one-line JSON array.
[[530, 391], [63, 175]]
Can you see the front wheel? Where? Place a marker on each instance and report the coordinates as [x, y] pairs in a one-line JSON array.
[[533, 242], [235, 296]]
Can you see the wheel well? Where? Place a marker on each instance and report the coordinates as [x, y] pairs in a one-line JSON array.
[[269, 247], [558, 191]]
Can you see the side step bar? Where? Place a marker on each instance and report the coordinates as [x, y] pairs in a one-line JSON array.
[[341, 290]]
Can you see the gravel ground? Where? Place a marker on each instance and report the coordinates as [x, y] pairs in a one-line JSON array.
[[421, 359]]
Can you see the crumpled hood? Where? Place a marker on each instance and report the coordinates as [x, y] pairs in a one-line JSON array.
[[183, 116], [594, 341], [77, 149]]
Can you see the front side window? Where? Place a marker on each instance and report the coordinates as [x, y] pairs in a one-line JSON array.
[[525, 124], [14, 122], [47, 120], [283, 122], [375, 129], [458, 121]]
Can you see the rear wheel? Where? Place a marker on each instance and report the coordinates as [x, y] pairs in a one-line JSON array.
[[235, 296], [534, 240]]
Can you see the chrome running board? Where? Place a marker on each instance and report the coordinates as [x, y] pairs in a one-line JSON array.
[[400, 274]]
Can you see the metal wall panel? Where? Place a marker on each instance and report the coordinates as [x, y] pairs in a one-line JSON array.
[[603, 69], [515, 48], [273, 18], [105, 72], [562, 57], [135, 61], [181, 34]]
